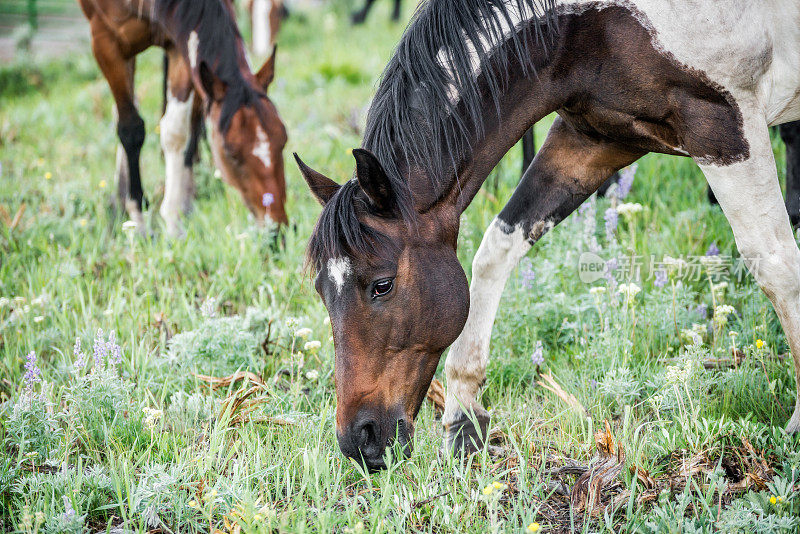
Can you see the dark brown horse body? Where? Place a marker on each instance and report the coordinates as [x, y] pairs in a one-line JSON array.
[[468, 79], [206, 64]]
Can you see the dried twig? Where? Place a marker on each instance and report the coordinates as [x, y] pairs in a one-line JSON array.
[[435, 396], [549, 383], [606, 467], [225, 381]]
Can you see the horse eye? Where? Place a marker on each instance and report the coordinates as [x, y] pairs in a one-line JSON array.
[[382, 287]]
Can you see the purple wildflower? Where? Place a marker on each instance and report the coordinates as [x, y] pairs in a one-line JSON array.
[[713, 250], [528, 276], [593, 383], [113, 349], [612, 218], [538, 354], [69, 512], [611, 266], [701, 310], [661, 278], [267, 199], [32, 372], [100, 349], [625, 183], [80, 356]]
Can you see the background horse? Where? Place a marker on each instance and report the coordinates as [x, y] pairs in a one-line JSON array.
[[205, 54], [358, 17], [467, 80]]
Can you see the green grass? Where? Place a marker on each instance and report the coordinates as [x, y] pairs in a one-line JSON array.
[[187, 468]]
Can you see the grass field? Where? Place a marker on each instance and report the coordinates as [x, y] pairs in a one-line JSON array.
[[141, 443]]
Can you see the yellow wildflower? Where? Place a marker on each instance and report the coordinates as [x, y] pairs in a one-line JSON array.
[[48, 175], [759, 343], [780, 499], [534, 527], [83, 222], [488, 490], [192, 503], [102, 184], [499, 485], [773, 500]]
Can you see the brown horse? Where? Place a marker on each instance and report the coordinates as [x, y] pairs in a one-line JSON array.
[[206, 57], [627, 77]]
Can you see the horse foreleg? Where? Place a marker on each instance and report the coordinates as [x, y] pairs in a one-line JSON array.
[[569, 167], [397, 10], [176, 143], [790, 133], [750, 196], [119, 72], [358, 17]]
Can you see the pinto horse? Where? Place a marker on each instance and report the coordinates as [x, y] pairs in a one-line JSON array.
[[468, 78], [206, 57]]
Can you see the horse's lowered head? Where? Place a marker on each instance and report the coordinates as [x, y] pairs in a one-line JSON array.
[[249, 140], [397, 296]]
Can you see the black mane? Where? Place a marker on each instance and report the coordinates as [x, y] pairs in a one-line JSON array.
[[219, 47], [412, 120]]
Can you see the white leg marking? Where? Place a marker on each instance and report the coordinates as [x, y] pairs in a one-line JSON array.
[[179, 187], [262, 38], [499, 252], [751, 199], [338, 271], [192, 45]]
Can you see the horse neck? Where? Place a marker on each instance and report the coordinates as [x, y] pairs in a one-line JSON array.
[[526, 100]]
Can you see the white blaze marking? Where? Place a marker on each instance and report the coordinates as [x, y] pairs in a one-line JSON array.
[[262, 38], [338, 271], [193, 44], [261, 149]]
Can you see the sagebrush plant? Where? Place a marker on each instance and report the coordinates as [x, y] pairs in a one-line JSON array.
[[121, 433]]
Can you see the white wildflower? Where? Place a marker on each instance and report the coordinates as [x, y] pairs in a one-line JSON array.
[[151, 417], [629, 209], [312, 375], [303, 332], [629, 290], [312, 346], [597, 290]]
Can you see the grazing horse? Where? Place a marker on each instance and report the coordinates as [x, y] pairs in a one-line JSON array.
[[205, 55], [358, 17], [627, 77]]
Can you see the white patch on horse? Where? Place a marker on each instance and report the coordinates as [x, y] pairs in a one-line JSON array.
[[175, 127], [501, 249], [338, 271], [261, 148], [506, 26], [192, 45], [262, 36]]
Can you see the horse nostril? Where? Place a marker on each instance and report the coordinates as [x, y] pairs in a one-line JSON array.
[[367, 437]]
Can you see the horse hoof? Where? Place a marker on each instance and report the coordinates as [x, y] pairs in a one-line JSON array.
[[462, 437]]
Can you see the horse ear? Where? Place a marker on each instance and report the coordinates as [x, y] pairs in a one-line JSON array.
[[266, 73], [373, 180], [322, 187], [213, 86]]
